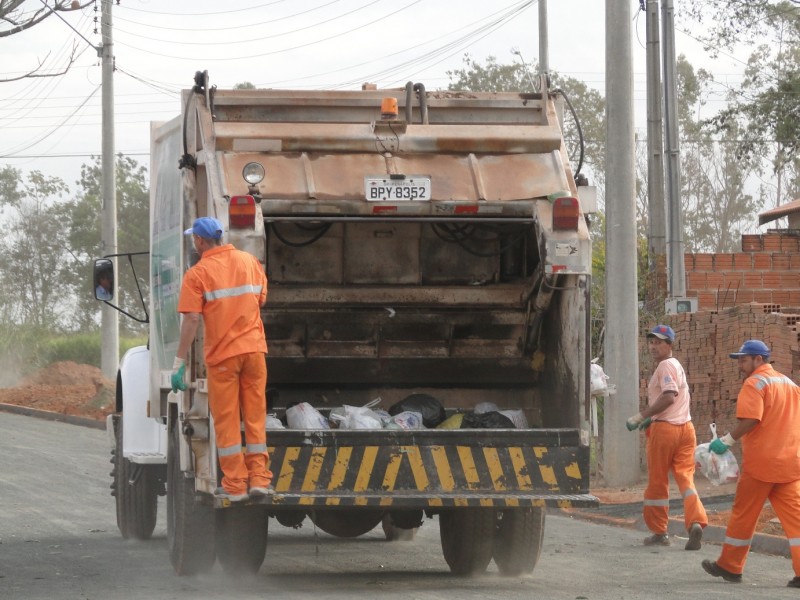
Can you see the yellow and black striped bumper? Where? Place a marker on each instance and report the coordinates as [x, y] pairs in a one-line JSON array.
[[429, 468]]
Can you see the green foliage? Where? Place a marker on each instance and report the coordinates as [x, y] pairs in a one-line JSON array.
[[83, 348], [85, 214], [589, 106], [35, 264]]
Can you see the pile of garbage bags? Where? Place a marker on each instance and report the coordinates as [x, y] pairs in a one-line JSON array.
[[417, 411]]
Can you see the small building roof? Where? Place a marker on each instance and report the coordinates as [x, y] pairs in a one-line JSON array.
[[790, 209]]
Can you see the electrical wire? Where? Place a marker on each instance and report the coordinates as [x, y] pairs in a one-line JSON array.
[[281, 50], [13, 151], [323, 229], [217, 29]]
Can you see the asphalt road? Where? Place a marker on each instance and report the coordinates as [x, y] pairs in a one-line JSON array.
[[58, 540]]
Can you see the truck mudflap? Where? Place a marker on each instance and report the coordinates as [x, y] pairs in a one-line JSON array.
[[428, 469]]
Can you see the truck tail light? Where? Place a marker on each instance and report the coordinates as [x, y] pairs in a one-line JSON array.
[[566, 212], [242, 212]]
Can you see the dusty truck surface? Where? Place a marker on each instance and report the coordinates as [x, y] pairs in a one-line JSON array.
[[417, 244]]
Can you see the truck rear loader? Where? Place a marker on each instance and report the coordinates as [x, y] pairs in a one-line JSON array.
[[415, 242]]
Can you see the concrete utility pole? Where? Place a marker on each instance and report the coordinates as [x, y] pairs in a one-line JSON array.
[[544, 56], [109, 344], [656, 222], [620, 447], [675, 250]]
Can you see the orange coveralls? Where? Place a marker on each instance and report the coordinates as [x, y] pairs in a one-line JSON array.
[[771, 465], [229, 287], [670, 447]]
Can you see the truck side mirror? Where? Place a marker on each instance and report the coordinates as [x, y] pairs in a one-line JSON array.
[[103, 279]]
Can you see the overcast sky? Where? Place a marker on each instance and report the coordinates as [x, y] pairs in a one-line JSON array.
[[54, 124]]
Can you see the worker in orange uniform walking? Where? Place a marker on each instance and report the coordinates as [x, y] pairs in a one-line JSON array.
[[228, 287], [768, 423], [670, 444]]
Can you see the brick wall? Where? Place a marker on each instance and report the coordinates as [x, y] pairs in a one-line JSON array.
[[703, 341], [767, 271]]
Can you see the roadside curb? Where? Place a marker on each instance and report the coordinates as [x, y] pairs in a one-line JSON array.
[[52, 416], [762, 542]]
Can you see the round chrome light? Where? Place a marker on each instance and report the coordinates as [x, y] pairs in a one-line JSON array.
[[253, 173]]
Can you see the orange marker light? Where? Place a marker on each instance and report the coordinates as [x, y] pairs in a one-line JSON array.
[[388, 109]]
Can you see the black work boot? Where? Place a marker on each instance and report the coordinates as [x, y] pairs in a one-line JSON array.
[[712, 568], [695, 537], [657, 539], [795, 582]]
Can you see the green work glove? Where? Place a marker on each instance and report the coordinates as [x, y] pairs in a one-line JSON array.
[[633, 422], [722, 445], [178, 374], [645, 424]]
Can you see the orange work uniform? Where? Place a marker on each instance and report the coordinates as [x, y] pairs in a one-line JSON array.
[[770, 465], [670, 447], [229, 287]]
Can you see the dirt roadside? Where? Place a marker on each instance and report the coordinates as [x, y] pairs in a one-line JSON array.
[[66, 388]]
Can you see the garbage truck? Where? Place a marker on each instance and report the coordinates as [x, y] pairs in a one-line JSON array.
[[416, 243]]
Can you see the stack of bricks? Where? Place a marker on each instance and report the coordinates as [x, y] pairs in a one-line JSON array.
[[767, 271], [703, 341]]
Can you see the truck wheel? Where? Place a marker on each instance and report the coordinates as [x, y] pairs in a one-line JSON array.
[[346, 523], [467, 536], [136, 491], [241, 538], [397, 534], [190, 525], [518, 540]]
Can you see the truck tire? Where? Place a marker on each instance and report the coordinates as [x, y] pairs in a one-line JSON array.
[[394, 533], [348, 523], [467, 536], [190, 525], [518, 540], [136, 491], [241, 538]]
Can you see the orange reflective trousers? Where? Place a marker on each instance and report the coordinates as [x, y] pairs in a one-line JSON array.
[[236, 394], [671, 448], [747, 506]]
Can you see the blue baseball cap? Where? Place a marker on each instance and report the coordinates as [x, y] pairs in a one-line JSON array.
[[205, 227], [663, 332], [752, 348]]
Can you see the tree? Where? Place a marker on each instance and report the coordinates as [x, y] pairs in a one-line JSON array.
[[133, 218], [765, 111], [588, 103], [35, 263], [15, 19]]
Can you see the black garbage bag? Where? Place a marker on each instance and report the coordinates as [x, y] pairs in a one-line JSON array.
[[429, 407], [487, 420]]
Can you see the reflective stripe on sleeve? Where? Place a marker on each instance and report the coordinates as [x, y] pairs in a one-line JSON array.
[[794, 541], [255, 448], [656, 501], [765, 381], [689, 492], [737, 542], [230, 450], [241, 290]]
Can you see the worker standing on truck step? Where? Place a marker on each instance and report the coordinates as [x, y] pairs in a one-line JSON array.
[[228, 287], [671, 442], [768, 423]]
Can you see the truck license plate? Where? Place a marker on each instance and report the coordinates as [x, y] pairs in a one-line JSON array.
[[412, 187]]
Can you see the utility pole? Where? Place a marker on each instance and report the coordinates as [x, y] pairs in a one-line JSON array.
[[544, 55], [675, 261], [656, 221], [620, 447], [109, 343]]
